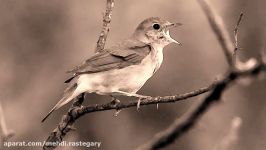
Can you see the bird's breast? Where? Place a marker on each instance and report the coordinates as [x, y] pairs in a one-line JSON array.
[[132, 78]]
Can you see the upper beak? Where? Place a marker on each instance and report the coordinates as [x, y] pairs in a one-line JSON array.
[[169, 26], [172, 25]]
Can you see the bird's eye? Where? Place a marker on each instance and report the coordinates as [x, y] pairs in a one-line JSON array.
[[156, 26]]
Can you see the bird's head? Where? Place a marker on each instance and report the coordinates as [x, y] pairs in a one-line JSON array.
[[155, 30]]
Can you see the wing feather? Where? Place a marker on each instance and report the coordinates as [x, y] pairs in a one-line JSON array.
[[126, 54]]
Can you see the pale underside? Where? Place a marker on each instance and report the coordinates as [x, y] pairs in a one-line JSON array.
[[129, 79]]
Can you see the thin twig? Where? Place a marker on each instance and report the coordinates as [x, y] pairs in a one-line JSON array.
[[236, 29], [106, 26], [147, 101], [236, 36]]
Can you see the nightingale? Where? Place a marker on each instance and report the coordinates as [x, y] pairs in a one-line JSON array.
[[123, 68]]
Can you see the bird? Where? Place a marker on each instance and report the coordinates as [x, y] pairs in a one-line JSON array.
[[122, 69]]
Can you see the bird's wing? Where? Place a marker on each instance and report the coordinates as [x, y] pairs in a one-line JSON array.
[[124, 54]]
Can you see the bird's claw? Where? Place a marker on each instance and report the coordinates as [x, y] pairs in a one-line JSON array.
[[115, 101], [138, 104], [139, 100], [117, 111]]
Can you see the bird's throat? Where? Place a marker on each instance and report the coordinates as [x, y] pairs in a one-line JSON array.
[[157, 55]]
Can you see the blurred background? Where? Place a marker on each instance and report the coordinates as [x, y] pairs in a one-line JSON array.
[[41, 39]]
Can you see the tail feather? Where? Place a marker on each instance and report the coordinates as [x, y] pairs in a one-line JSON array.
[[50, 112], [69, 94]]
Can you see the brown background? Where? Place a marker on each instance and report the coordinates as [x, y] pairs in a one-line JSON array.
[[41, 39]]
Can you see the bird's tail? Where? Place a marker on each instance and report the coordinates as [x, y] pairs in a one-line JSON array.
[[69, 94]]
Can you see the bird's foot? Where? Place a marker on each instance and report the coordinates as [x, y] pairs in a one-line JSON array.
[[138, 104], [117, 111], [140, 97], [114, 102]]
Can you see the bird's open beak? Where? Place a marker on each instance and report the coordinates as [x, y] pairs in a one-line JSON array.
[[167, 34]]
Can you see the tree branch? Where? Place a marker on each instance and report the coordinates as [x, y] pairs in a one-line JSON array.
[[181, 125], [149, 101], [106, 26], [251, 68], [5, 134], [67, 121], [76, 111], [236, 37], [64, 126], [236, 30], [219, 29]]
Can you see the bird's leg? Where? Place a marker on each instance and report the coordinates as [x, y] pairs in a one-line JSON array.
[[133, 95], [138, 104], [114, 102]]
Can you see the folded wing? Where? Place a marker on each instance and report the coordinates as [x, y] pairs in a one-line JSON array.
[[122, 55]]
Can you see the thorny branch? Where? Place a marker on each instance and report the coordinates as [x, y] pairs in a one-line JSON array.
[[186, 122]]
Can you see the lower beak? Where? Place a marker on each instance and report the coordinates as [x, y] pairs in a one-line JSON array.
[[167, 34], [169, 38], [174, 41]]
